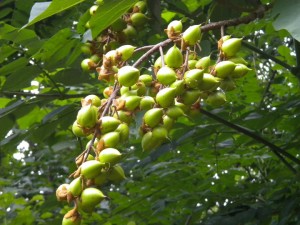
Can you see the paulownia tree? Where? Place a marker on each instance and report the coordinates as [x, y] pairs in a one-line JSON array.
[[149, 112]]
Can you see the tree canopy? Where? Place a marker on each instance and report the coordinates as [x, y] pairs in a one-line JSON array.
[[237, 163]]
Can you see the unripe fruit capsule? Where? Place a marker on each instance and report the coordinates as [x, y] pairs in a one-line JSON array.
[[125, 51], [193, 78], [216, 99], [147, 103], [93, 99], [224, 69], [87, 116], [166, 75], [108, 124], [231, 46], [209, 82], [123, 130], [149, 142], [166, 97], [75, 187], [90, 197], [128, 76], [138, 19], [174, 57], [192, 35], [110, 155], [110, 139], [153, 117], [175, 26], [116, 174], [91, 169]]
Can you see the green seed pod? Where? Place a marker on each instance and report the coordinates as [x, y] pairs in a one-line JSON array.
[[166, 75], [228, 85], [87, 116], [108, 91], [90, 197], [131, 102], [146, 79], [71, 220], [193, 78], [101, 179], [216, 99], [138, 19], [175, 26], [209, 82], [153, 117], [240, 70], [184, 107], [91, 169], [168, 122], [224, 69], [160, 132], [93, 99], [192, 35], [125, 51], [78, 131], [86, 48], [108, 124], [110, 155], [238, 60], [192, 64], [123, 130], [157, 64], [179, 86], [231, 46], [166, 97], [175, 112], [124, 116], [116, 174], [127, 91], [140, 6], [110, 139], [147, 103], [190, 97], [93, 9], [130, 32], [174, 57], [203, 63], [75, 187], [87, 65], [149, 142], [128, 76]]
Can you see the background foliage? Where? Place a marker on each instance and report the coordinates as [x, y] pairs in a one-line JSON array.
[[215, 171]]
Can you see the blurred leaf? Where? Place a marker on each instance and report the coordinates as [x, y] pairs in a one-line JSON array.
[[108, 13], [40, 12], [288, 17]]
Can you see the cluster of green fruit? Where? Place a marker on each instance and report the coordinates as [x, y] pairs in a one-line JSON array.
[[122, 30], [180, 82], [93, 171]]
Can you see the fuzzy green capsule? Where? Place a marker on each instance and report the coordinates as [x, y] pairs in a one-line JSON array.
[[192, 35], [174, 57]]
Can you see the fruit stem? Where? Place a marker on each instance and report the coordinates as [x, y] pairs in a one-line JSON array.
[[149, 52], [186, 62], [162, 56]]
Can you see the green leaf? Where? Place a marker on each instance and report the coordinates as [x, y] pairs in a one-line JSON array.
[[288, 17], [55, 7], [21, 78], [108, 13], [13, 66]]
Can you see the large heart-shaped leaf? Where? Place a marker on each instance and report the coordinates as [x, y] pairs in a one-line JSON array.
[[288, 17]]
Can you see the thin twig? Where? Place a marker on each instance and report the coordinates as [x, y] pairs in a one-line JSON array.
[[52, 95], [153, 49], [275, 149]]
